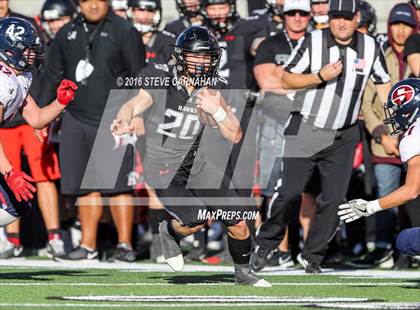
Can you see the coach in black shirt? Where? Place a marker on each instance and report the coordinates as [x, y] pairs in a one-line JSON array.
[[94, 50], [333, 66]]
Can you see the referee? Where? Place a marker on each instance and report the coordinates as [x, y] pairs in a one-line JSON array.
[[331, 68]]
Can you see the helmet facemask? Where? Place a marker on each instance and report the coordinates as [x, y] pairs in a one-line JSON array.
[[197, 65], [399, 117], [151, 25], [23, 57], [220, 23], [188, 10]]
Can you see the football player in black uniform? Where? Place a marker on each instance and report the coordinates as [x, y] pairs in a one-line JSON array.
[[147, 16], [54, 15], [271, 16], [175, 164], [368, 19], [120, 7], [189, 11], [320, 9]]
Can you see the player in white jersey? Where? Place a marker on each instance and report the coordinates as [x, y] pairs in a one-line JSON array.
[[20, 54], [402, 113]]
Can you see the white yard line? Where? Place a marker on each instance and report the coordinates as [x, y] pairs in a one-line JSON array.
[[145, 267], [368, 305], [214, 298], [300, 283]]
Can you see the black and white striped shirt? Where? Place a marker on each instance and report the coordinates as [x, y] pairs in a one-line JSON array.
[[336, 104]]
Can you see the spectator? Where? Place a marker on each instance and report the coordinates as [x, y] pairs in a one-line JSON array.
[[388, 167], [323, 133], [416, 5], [189, 15], [94, 49]]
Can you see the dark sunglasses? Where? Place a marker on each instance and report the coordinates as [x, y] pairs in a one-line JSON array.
[[294, 12], [84, 1]]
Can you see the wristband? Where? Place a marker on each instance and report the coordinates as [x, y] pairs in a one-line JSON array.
[[320, 77], [375, 206], [220, 115]]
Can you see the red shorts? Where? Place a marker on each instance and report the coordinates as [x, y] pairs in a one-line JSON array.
[[42, 158]]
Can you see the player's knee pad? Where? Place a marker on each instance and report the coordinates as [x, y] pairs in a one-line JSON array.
[[408, 242]]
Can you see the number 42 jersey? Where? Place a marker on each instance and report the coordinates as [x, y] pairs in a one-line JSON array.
[[13, 91], [410, 142], [173, 128]]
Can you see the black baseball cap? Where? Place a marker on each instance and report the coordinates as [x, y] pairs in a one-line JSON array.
[[402, 13], [319, 1], [345, 8]]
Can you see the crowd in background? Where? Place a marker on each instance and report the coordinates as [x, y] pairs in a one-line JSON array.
[[255, 50]]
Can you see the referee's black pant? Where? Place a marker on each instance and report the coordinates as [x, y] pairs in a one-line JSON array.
[[334, 161]]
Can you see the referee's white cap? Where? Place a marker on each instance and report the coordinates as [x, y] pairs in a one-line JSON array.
[[299, 5]]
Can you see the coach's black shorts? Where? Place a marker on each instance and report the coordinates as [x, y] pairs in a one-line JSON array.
[[187, 193], [77, 178]]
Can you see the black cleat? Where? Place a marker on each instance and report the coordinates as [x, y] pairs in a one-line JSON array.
[[313, 268], [124, 253], [170, 247], [257, 261], [244, 276]]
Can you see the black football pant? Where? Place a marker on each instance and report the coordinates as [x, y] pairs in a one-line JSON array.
[[334, 163]]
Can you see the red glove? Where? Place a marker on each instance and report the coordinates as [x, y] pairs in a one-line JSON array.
[[18, 183], [65, 92]]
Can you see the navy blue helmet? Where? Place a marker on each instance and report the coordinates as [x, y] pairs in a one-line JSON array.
[[199, 43], [403, 106], [20, 45]]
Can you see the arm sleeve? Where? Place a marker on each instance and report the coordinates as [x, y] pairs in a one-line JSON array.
[[52, 74], [412, 45], [133, 52], [300, 60], [264, 54], [373, 122], [379, 72]]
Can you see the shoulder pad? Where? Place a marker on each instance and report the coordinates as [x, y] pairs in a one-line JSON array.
[[253, 17], [259, 12], [162, 67], [222, 80], [168, 34]]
